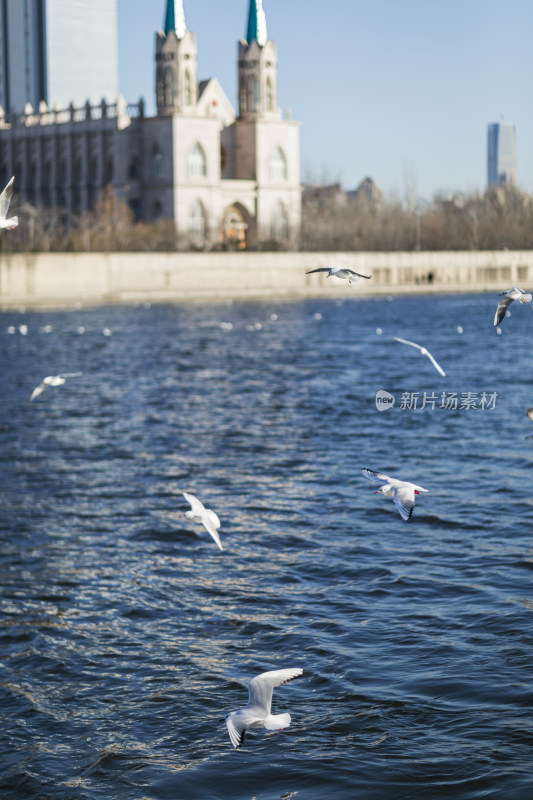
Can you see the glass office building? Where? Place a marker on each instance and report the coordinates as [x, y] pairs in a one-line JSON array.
[[59, 51], [501, 154]]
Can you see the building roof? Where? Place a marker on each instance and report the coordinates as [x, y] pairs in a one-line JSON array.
[[175, 18], [257, 27]]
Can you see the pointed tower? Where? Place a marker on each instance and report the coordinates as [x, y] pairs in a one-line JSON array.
[[176, 63], [258, 72]]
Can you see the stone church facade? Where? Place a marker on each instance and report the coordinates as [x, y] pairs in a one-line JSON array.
[[226, 180]]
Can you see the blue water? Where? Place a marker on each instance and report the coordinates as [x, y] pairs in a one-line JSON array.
[[127, 636]]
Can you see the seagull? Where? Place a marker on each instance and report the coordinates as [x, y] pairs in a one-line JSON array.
[[52, 380], [508, 298], [403, 492], [530, 414], [5, 199], [341, 272], [424, 353], [208, 518], [257, 712]]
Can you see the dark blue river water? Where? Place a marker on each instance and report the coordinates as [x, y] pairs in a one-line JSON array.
[[127, 636]]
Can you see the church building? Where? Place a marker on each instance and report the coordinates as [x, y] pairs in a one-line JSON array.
[[225, 179]]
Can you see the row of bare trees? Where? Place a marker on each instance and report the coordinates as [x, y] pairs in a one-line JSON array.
[[332, 220]]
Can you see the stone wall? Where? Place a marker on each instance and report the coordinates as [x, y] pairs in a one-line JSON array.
[[57, 279]]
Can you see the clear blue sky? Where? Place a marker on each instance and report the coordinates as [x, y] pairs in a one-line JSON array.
[[401, 90]]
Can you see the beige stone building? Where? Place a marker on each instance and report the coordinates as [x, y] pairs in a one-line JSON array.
[[227, 180]]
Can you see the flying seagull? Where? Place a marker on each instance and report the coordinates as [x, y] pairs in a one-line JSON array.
[[5, 199], [52, 380], [257, 712], [341, 272], [208, 518], [402, 492], [508, 298], [424, 353]]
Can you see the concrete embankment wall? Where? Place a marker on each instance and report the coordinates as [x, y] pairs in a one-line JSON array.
[[57, 279]]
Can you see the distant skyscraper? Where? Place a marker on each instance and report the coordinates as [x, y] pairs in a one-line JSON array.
[[59, 51], [501, 154]]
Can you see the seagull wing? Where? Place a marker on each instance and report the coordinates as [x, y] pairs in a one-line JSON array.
[[211, 522], [261, 687], [37, 391], [404, 499], [437, 366], [320, 269], [358, 274], [376, 476], [70, 374], [5, 198], [197, 508], [502, 308], [405, 341], [236, 729]]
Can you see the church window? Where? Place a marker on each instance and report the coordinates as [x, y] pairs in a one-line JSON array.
[[197, 164], [278, 165], [279, 222], [253, 93], [269, 95], [197, 224], [188, 92], [157, 162]]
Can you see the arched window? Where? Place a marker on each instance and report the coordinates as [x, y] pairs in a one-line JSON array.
[[188, 91], [269, 95], [253, 93], [279, 224], [197, 223], [197, 166], [157, 162], [170, 87], [278, 165]]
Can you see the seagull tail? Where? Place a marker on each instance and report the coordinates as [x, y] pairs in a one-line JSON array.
[[276, 722]]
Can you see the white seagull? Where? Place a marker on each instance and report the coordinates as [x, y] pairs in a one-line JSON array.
[[341, 272], [403, 492], [508, 298], [208, 518], [257, 712], [424, 353], [5, 199], [52, 380]]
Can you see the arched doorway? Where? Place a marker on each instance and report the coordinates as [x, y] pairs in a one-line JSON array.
[[235, 231]]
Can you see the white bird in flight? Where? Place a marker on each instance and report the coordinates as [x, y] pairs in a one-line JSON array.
[[208, 518], [402, 492], [5, 199], [52, 380], [257, 712], [341, 272], [507, 298], [424, 352]]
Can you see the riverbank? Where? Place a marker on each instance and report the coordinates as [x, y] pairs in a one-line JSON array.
[[44, 280]]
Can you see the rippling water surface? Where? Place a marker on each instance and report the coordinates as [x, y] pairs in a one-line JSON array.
[[127, 636]]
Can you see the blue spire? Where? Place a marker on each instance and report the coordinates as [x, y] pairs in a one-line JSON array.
[[175, 18], [257, 27]]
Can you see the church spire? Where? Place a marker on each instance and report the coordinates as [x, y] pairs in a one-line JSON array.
[[257, 27], [175, 18]]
